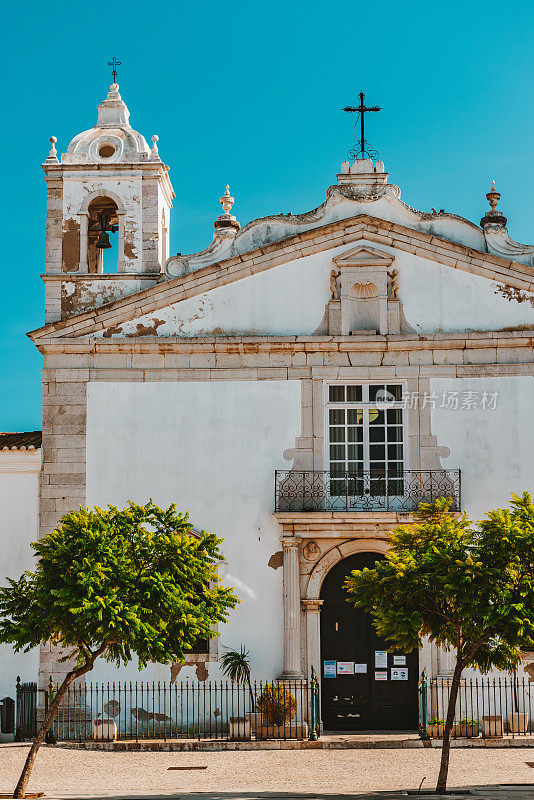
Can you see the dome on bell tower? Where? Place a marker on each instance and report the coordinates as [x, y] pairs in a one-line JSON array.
[[112, 140]]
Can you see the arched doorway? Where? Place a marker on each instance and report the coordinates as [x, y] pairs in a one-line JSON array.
[[366, 689]]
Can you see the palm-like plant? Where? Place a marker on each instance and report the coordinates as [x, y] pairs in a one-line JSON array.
[[235, 664]]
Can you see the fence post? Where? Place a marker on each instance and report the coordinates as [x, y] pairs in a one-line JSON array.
[[314, 687], [17, 710], [423, 703]]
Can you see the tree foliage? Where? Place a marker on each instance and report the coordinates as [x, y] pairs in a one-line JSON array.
[[117, 583], [464, 585]]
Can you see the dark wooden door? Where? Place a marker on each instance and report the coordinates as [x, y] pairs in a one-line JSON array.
[[359, 701]]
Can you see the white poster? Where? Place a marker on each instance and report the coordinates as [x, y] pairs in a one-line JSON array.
[[381, 676], [399, 674], [345, 667], [329, 669], [360, 669], [399, 661], [381, 659]]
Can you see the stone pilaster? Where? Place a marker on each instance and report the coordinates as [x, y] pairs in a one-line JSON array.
[[312, 612], [292, 667], [63, 474]]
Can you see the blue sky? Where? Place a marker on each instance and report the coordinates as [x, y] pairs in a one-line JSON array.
[[251, 94]]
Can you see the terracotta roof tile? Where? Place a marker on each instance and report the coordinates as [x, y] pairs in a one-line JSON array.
[[24, 440]]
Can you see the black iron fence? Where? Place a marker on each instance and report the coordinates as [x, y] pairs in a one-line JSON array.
[[396, 489], [222, 710], [488, 708]]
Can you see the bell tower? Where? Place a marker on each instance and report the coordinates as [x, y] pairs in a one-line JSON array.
[[109, 193]]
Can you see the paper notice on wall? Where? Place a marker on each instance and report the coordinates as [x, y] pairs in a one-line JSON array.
[[329, 669], [345, 667], [360, 669], [381, 659], [399, 674], [381, 676], [399, 661]]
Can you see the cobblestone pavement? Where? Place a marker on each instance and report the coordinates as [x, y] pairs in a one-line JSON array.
[[250, 774]]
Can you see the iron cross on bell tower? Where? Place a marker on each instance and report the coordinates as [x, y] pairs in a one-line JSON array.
[[364, 150], [114, 64]]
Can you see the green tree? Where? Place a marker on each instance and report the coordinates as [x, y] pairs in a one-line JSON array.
[[466, 586], [115, 583]]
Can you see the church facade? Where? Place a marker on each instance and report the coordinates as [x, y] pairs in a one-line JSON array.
[[299, 386]]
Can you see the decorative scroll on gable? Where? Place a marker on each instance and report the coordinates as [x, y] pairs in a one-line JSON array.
[[364, 293]]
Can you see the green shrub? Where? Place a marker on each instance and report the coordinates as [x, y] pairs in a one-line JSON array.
[[277, 704]]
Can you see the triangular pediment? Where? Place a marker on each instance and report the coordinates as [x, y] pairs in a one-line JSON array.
[[359, 230], [364, 256]]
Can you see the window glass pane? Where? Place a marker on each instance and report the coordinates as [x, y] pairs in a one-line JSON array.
[[374, 389], [376, 416], [395, 452], [337, 468], [354, 394], [336, 394], [378, 469], [377, 452], [394, 416], [337, 452], [354, 416], [395, 390], [337, 434], [355, 452], [394, 434], [394, 470], [337, 416], [355, 434], [377, 434]]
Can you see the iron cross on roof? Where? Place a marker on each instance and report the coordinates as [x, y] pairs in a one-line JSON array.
[[114, 64], [364, 149]]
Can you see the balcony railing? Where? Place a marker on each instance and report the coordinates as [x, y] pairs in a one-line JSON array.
[[366, 490]]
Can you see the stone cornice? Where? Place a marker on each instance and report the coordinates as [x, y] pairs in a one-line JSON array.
[[290, 345], [306, 243]]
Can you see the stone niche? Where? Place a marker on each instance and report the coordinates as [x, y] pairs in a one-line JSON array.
[[366, 289]]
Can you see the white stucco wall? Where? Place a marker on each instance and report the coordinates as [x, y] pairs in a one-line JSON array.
[[212, 448], [290, 300], [493, 448], [19, 526]]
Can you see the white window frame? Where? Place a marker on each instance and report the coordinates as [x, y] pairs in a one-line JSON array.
[[327, 405]]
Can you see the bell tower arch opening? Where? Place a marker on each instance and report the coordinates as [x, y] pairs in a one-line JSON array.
[[363, 687], [102, 243]]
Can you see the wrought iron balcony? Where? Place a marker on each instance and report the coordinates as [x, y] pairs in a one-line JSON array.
[[366, 490]]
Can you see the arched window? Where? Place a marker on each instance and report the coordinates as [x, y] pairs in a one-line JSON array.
[[102, 239]]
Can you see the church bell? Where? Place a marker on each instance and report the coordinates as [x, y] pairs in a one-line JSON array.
[[103, 242]]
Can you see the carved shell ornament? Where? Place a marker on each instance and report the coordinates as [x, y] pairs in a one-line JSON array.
[[364, 291]]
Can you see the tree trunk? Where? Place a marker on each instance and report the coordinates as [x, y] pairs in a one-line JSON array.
[[451, 710], [20, 791]]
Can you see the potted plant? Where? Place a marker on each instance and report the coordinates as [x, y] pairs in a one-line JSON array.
[[467, 728], [235, 664], [435, 728], [278, 707]]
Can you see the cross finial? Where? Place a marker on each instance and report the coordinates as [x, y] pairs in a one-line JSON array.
[[364, 149], [114, 64]]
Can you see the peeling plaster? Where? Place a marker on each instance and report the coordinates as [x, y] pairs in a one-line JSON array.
[[175, 670], [146, 330], [276, 560], [71, 245], [202, 671]]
